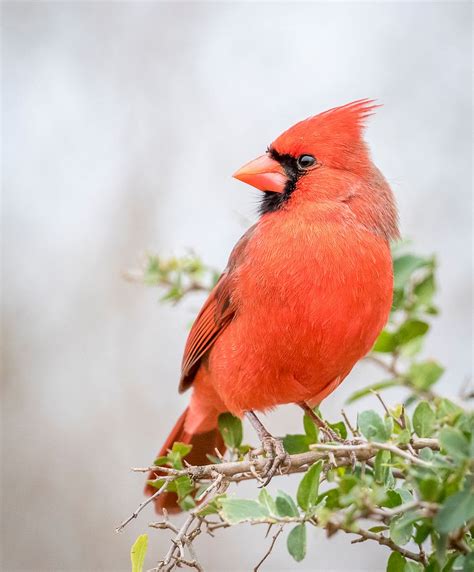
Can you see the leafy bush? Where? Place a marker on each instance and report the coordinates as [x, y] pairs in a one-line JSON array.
[[404, 477]]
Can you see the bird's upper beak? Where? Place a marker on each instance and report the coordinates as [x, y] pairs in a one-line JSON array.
[[264, 173]]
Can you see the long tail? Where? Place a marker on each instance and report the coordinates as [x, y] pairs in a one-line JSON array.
[[203, 444]]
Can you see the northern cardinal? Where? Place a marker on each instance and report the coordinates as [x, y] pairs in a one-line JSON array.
[[306, 291]]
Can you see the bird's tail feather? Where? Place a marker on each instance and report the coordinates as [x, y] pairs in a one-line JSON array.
[[203, 444]]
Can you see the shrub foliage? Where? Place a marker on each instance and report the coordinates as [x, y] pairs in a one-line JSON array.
[[404, 477]]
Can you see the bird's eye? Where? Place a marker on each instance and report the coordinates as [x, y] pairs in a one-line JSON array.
[[306, 161]]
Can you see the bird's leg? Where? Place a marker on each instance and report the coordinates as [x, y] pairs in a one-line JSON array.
[[320, 423], [272, 446], [327, 431]]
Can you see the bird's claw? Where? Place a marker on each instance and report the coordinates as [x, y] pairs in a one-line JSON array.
[[330, 435], [277, 458]]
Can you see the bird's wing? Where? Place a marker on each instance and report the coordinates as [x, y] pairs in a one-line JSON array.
[[216, 314]]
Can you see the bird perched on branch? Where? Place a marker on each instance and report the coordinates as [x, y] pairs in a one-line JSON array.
[[305, 293]]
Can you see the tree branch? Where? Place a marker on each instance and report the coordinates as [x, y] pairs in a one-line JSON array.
[[235, 471]]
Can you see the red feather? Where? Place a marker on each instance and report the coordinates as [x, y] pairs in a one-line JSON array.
[[307, 289]]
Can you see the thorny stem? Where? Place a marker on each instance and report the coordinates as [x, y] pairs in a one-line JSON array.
[[238, 470], [176, 553], [177, 543], [220, 475]]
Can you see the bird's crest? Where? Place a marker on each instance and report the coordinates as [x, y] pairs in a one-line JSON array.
[[333, 135], [354, 113]]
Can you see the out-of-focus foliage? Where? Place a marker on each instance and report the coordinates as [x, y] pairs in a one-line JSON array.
[[177, 276], [417, 488]]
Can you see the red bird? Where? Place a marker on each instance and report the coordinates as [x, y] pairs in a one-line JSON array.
[[306, 291]]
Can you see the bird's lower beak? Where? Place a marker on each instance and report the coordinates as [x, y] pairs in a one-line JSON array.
[[264, 173]]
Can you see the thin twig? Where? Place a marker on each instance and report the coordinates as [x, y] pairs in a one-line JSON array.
[[177, 542], [381, 539], [353, 430], [367, 449], [141, 507], [268, 552]]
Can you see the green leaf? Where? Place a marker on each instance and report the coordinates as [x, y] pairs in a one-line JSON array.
[[448, 409], [401, 527], [403, 438], [310, 428], [429, 486], [202, 491], [175, 458], [234, 511], [424, 419], [187, 503], [231, 430], [295, 444], [412, 348], [456, 510], [308, 489], [371, 388], [423, 375], [296, 542], [340, 428], [212, 507], [381, 466], [404, 266], [378, 528], [454, 443], [410, 330], [181, 449], [405, 494], [413, 566], [433, 565], [265, 499], [175, 293], [184, 486], [425, 289], [156, 483], [385, 343], [426, 454], [389, 423], [396, 562], [393, 499], [468, 562], [398, 299], [285, 505], [372, 426], [422, 532], [138, 552]]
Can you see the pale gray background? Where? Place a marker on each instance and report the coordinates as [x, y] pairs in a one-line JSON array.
[[122, 123]]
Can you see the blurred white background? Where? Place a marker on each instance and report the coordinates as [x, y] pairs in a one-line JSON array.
[[122, 124]]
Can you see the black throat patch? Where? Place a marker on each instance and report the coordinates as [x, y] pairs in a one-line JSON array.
[[271, 200]]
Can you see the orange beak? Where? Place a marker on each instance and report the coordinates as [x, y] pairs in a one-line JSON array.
[[263, 173]]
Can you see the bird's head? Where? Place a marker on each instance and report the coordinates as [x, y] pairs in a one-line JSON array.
[[325, 158]]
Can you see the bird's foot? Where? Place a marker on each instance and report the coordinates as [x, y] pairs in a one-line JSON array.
[[277, 457], [329, 434], [271, 446]]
